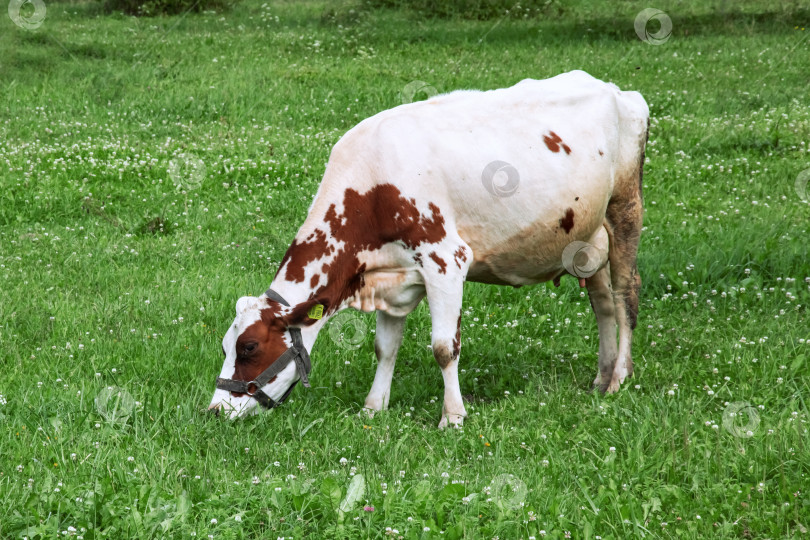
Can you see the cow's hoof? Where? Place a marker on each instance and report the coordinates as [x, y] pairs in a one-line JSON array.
[[619, 376], [455, 420]]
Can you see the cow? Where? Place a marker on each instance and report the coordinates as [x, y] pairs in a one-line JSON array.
[[491, 187]]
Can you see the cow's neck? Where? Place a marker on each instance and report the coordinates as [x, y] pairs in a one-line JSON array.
[[302, 279], [316, 267]]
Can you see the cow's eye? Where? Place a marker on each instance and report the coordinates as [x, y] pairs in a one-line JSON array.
[[250, 347]]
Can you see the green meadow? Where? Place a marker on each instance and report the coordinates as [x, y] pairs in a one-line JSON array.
[[154, 170]]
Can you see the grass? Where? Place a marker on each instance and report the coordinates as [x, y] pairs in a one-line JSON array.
[[120, 276]]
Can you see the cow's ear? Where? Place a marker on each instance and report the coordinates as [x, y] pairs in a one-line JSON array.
[[244, 303], [309, 312]]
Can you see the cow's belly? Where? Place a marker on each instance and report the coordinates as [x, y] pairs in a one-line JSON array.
[[532, 256]]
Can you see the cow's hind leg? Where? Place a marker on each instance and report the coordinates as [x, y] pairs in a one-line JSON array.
[[386, 345], [624, 216], [601, 298]]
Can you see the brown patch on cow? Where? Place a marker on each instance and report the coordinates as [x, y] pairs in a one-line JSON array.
[[601, 153], [551, 143], [368, 221], [460, 255], [383, 215], [417, 258], [457, 339], [314, 280], [554, 143], [267, 337], [438, 260], [567, 221], [444, 357], [298, 256]]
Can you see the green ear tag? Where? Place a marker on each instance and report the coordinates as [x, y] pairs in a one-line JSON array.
[[316, 312]]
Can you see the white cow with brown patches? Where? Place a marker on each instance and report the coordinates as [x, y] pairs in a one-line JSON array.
[[404, 213]]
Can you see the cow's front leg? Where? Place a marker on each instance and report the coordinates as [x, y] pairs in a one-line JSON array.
[[444, 293], [386, 346]]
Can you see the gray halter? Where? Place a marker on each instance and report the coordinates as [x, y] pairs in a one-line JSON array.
[[297, 353]]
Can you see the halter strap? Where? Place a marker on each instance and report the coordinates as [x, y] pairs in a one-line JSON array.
[[273, 295]]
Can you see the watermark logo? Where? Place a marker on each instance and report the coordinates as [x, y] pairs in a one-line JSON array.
[[500, 179], [415, 89], [187, 172], [643, 21], [348, 330], [508, 491], [582, 259], [801, 184], [741, 419], [27, 14], [115, 404]]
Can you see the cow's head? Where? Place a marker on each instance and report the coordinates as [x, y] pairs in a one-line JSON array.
[[259, 336]]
